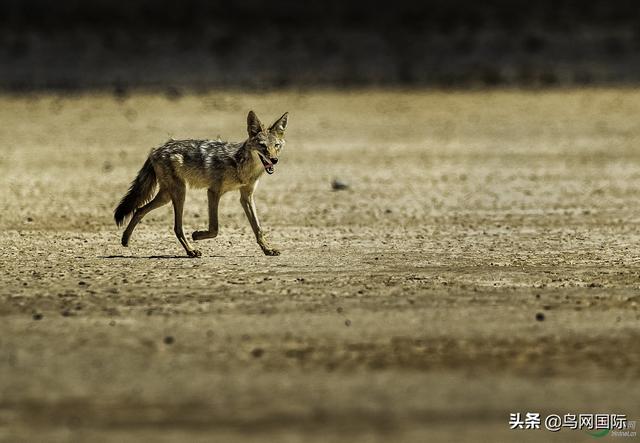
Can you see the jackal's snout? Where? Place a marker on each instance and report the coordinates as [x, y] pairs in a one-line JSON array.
[[267, 162]]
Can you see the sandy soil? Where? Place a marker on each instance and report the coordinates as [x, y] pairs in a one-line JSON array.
[[483, 261]]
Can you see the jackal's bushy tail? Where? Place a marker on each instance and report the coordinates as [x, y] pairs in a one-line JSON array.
[[139, 193]]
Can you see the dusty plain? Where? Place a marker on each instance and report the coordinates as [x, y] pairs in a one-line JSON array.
[[484, 260]]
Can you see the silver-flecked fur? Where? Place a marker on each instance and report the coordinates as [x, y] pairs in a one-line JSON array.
[[215, 165]]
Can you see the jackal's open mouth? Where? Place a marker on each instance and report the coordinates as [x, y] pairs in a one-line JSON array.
[[268, 166]]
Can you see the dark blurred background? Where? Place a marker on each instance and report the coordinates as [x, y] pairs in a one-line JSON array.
[[198, 44]]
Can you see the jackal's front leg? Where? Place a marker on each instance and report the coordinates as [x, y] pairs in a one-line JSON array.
[[214, 199], [249, 206]]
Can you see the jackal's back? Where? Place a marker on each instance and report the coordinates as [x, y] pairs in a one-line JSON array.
[[197, 162]]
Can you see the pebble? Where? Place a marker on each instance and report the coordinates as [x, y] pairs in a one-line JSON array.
[[257, 352], [540, 316], [37, 316], [168, 340], [339, 185]]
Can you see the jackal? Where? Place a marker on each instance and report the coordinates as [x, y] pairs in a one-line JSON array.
[[216, 165]]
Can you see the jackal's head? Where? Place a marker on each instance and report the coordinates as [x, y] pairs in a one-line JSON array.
[[266, 142]]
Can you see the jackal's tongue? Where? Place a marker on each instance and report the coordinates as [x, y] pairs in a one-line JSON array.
[[268, 166]]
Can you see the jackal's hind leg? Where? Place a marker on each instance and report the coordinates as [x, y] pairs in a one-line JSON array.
[[162, 198], [178, 193], [214, 199]]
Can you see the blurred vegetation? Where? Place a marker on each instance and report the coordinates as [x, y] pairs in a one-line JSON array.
[[73, 44]]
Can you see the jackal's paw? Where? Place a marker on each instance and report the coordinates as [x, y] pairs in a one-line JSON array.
[[125, 241], [194, 253], [201, 235], [270, 251]]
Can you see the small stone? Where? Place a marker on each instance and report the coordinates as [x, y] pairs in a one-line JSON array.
[[107, 166], [339, 185], [347, 322], [257, 352], [339, 310], [168, 340], [37, 316], [540, 316]]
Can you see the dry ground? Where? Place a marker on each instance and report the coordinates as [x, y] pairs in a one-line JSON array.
[[402, 309]]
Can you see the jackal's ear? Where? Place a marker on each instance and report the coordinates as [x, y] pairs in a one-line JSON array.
[[254, 125], [280, 125]]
